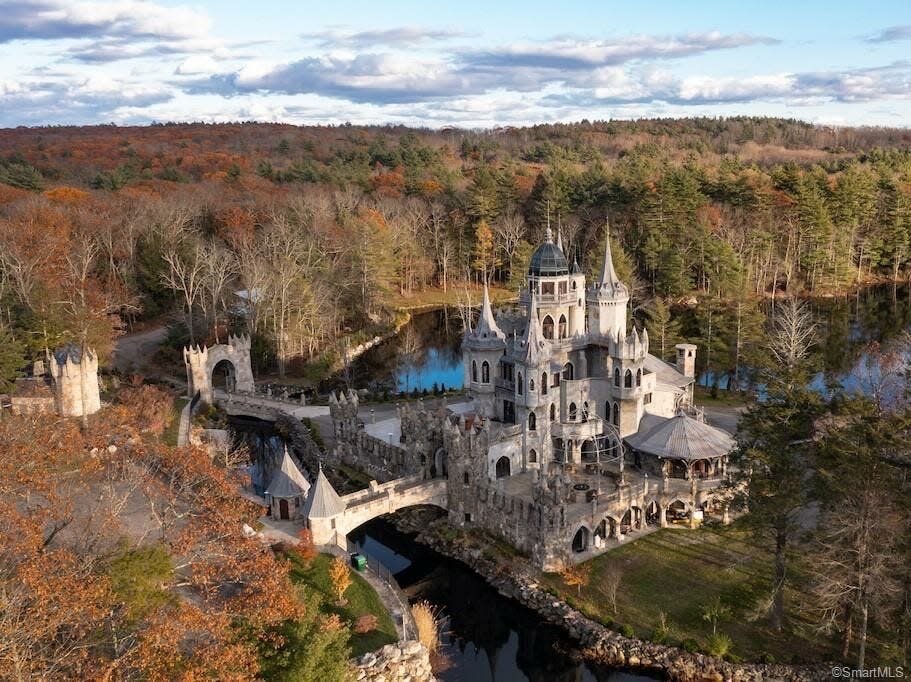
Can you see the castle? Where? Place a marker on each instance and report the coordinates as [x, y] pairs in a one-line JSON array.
[[573, 438], [66, 383]]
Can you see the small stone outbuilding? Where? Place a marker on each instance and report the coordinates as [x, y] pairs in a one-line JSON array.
[[287, 490]]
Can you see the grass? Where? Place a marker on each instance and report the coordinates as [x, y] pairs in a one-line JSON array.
[[362, 599], [169, 436], [679, 573]]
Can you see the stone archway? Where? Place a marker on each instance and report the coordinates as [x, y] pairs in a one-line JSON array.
[[580, 540], [439, 469], [202, 361], [502, 467]]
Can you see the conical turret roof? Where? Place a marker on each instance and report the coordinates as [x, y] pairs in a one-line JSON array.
[[533, 342], [487, 325], [608, 282], [323, 501], [288, 481]]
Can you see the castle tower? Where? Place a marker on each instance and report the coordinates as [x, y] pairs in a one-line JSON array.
[[533, 355], [607, 300], [75, 376], [627, 373], [550, 280], [482, 349]]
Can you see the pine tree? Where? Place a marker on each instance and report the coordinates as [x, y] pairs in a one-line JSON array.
[[663, 329]]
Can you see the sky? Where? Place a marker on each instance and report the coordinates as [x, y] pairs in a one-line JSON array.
[[475, 64]]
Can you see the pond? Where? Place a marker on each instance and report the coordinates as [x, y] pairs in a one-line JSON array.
[[426, 353]]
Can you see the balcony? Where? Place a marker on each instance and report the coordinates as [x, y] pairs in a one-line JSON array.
[[579, 430], [568, 298], [505, 384]]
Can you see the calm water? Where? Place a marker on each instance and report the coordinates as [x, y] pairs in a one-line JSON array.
[[426, 353], [488, 638]]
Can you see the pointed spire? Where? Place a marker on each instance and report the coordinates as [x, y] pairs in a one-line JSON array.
[[288, 481], [487, 325], [608, 274], [560, 239], [534, 336]]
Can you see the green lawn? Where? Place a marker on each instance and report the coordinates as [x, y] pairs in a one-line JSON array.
[[362, 598], [678, 572]]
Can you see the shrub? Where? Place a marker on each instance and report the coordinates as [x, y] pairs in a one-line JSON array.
[[719, 644], [768, 659], [660, 633], [427, 621], [365, 624], [690, 645], [627, 630]]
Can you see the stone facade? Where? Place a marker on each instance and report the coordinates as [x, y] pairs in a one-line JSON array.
[[74, 376], [201, 363], [405, 661]]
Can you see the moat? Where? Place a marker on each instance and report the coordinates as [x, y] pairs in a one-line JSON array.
[[486, 636]]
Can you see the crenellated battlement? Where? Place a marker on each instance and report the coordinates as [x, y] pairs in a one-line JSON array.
[[74, 373]]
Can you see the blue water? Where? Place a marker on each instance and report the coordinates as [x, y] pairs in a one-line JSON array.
[[438, 369]]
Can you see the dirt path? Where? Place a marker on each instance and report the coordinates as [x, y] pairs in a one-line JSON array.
[[133, 351]]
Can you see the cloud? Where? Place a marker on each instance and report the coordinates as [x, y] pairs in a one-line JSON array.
[[401, 36], [570, 53], [127, 19], [891, 34]]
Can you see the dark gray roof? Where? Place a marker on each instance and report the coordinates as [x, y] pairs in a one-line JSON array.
[[323, 501], [680, 437], [548, 261], [288, 481]]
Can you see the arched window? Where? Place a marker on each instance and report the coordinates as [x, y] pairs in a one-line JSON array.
[[628, 379], [616, 376], [553, 411], [532, 457], [638, 377], [556, 381], [474, 371], [548, 326], [544, 383], [574, 285], [485, 372], [585, 411], [607, 411], [532, 421], [616, 418], [568, 371], [572, 412], [502, 467], [562, 328], [465, 477], [520, 385], [531, 384]]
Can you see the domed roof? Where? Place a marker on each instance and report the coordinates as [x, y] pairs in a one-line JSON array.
[[548, 260]]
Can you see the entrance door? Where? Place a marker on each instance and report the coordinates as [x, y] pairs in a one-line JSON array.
[[283, 510]]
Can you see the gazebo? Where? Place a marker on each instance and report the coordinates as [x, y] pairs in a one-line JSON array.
[[681, 446], [287, 490]]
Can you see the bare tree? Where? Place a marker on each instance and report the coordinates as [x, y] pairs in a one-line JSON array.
[[508, 231], [219, 269], [185, 275], [793, 333]]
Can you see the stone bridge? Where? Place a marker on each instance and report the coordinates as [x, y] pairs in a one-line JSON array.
[[265, 407], [377, 500]]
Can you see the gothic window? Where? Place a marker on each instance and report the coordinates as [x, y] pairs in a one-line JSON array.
[[465, 477], [562, 326], [531, 384], [647, 399], [520, 385], [548, 326], [638, 377], [572, 412], [628, 379], [556, 381], [553, 411], [607, 411], [585, 411], [616, 376], [474, 371], [574, 285], [616, 419], [568, 371], [532, 421], [485, 372], [532, 457], [544, 383], [503, 467]]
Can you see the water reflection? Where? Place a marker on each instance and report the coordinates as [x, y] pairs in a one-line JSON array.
[[488, 638]]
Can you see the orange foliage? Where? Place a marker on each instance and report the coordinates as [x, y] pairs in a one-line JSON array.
[[67, 195]]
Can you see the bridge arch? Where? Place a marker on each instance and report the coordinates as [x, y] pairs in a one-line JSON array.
[[232, 358]]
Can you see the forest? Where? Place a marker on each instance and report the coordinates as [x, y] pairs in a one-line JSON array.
[[307, 235]]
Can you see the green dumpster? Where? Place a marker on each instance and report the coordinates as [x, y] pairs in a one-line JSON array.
[[358, 561]]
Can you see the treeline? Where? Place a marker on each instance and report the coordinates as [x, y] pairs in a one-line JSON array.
[[323, 227]]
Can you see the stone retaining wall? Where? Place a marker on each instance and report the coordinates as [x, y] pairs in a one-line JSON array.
[[601, 644], [406, 661]]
